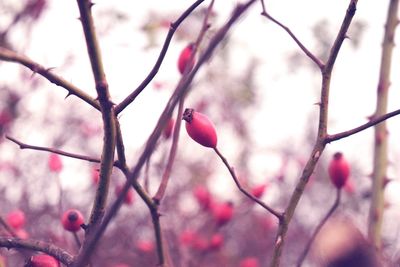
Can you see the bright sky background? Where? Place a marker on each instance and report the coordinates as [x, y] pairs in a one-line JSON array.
[[289, 97]]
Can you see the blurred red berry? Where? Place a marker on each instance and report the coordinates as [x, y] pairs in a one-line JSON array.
[[202, 196], [200, 128], [43, 260], [16, 219], [259, 190], [339, 170], [169, 128], [145, 246], [129, 197], [55, 163], [95, 175], [187, 237], [249, 262], [72, 220], [2, 261], [22, 233], [222, 212], [216, 241], [185, 59]]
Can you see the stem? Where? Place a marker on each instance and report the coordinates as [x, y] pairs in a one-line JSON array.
[[244, 191], [320, 143], [320, 225], [174, 26], [380, 158]]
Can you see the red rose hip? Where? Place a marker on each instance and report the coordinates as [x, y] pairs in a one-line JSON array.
[[16, 219], [185, 59], [339, 170], [72, 220], [43, 260], [200, 128]]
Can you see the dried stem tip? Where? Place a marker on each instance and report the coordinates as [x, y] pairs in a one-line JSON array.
[[188, 115]]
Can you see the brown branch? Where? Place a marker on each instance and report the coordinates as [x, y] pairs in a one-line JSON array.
[[381, 141], [48, 248], [244, 191], [371, 123], [56, 151], [107, 112], [320, 143], [293, 36], [8, 55], [151, 142], [174, 26], [320, 225]]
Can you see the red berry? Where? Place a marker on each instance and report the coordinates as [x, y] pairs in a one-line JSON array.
[[249, 262], [22, 234], [169, 128], [200, 128], [55, 163], [184, 59], [187, 237], [258, 190], [202, 196], [72, 220], [95, 175], [222, 212], [43, 260], [216, 242], [16, 219], [145, 246], [129, 197], [339, 170]]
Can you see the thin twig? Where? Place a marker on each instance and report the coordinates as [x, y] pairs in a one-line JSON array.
[[56, 151], [244, 191], [320, 225], [11, 56], [371, 123], [173, 27], [318, 62]]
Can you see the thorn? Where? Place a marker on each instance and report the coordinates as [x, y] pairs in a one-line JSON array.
[[91, 4], [317, 103], [69, 94]]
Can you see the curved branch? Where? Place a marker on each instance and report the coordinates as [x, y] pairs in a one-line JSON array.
[[48, 248], [244, 191], [371, 123], [291, 34], [8, 55], [174, 26]]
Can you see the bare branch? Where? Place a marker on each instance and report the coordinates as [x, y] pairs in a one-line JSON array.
[[8, 55]]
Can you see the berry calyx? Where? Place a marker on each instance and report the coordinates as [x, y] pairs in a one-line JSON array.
[[185, 60], [200, 128], [72, 220], [339, 170]]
